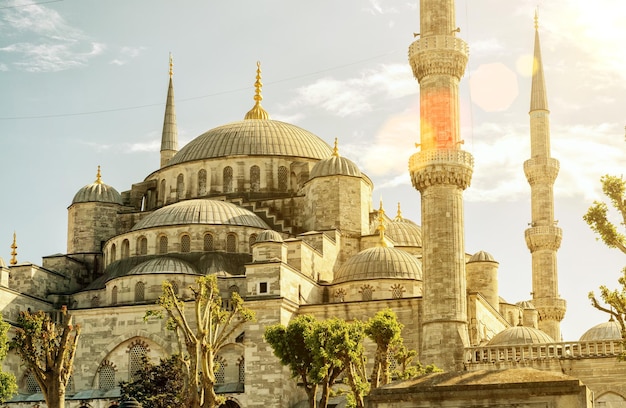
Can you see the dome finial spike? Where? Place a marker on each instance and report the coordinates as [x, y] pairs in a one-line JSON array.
[[98, 176], [537, 18], [13, 260], [257, 111], [399, 214], [171, 65], [381, 224], [336, 148]]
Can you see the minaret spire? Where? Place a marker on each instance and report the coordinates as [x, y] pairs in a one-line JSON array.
[[441, 171], [169, 137], [543, 238], [13, 260]]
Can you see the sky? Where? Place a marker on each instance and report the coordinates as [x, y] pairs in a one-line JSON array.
[[83, 83]]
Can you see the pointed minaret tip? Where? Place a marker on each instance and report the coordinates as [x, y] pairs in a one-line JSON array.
[[171, 66], [537, 18], [538, 94], [399, 214], [257, 111], [169, 137], [14, 250]]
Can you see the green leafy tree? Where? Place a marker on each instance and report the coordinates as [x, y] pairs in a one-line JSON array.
[[157, 385], [8, 386], [614, 300], [407, 365], [385, 331], [202, 338], [47, 349]]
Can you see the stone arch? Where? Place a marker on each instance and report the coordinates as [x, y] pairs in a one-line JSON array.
[[231, 242], [227, 179], [125, 248], [611, 398], [180, 186], [142, 245], [185, 242]]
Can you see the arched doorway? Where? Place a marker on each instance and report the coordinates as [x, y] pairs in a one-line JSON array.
[[229, 404]]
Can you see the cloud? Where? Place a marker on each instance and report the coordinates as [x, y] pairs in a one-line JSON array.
[[353, 96], [3, 67], [44, 41], [126, 54], [375, 7]]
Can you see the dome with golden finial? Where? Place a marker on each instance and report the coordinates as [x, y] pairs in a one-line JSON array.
[[256, 135], [97, 192], [403, 232], [610, 330], [335, 165]]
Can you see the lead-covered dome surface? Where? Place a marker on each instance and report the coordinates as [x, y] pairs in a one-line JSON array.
[[256, 137], [201, 211], [380, 263], [520, 335], [163, 264], [482, 256], [610, 330], [335, 165], [269, 236], [97, 192], [403, 232]]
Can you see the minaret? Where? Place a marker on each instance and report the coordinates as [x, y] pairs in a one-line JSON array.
[[441, 171], [169, 137], [543, 238]]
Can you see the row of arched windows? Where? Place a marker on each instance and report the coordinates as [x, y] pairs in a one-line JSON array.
[[185, 245], [228, 181]]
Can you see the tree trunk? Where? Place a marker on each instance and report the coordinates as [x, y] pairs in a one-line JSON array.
[[325, 394], [55, 397], [374, 381]]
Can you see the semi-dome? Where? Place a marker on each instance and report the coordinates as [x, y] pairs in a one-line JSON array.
[[97, 192], [201, 211], [520, 335], [482, 256], [610, 330], [163, 264], [380, 263], [255, 137], [268, 236]]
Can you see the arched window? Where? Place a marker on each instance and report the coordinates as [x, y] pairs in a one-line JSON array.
[[231, 243], [185, 243], [228, 179], [106, 376], [140, 291], [114, 295], [255, 179], [282, 179], [180, 187], [142, 246], [175, 286], [32, 386], [208, 242], [163, 244], [135, 357], [219, 369], [233, 289], [397, 291], [162, 194], [113, 253], [125, 249], [242, 370], [202, 182], [95, 301], [366, 292], [251, 241]]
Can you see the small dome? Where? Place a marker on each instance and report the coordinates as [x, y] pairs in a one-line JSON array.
[[97, 192], [335, 166], [526, 305], [201, 211], [268, 236], [163, 264], [482, 256], [610, 330], [380, 263], [520, 335], [404, 233]]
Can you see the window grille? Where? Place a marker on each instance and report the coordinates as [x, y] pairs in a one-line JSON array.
[[125, 249], [143, 246], [185, 243], [31, 384], [175, 287], [242, 370], [255, 179], [106, 377], [228, 179], [397, 291], [163, 244], [233, 289], [340, 295], [140, 291], [220, 370], [202, 182], [366, 292], [135, 355], [282, 178], [208, 242], [231, 243], [180, 186], [114, 295], [95, 301]]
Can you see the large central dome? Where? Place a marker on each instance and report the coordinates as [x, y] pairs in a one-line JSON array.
[[255, 137]]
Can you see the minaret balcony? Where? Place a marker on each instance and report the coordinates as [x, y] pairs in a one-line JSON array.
[[438, 55], [541, 170], [543, 237], [441, 166]]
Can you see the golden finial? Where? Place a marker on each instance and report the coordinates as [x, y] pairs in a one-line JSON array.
[[98, 177], [336, 148], [14, 250], [399, 214], [257, 111], [171, 65], [536, 18], [381, 224]]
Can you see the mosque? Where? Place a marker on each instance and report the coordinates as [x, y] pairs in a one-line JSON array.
[[286, 221]]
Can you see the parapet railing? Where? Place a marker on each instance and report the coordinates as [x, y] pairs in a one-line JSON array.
[[533, 352]]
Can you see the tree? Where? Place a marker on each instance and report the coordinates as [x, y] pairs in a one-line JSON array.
[[47, 349], [157, 385], [598, 219], [407, 365], [384, 330], [214, 326], [8, 386]]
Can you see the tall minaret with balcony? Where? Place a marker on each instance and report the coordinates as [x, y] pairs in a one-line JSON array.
[[441, 171], [543, 238], [169, 137]]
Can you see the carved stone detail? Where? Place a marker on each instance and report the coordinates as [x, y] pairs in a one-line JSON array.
[[543, 237], [438, 55], [550, 309], [541, 170], [442, 166]]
